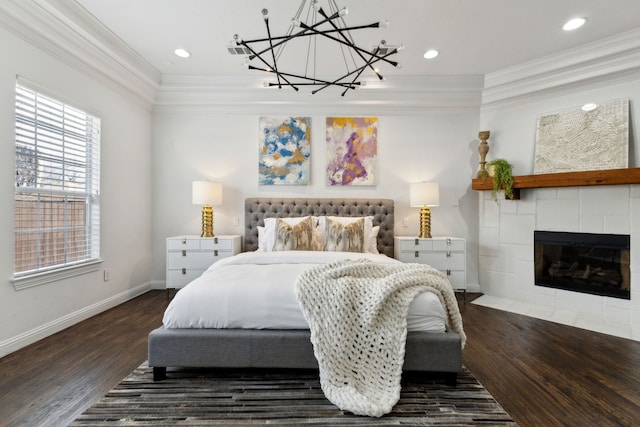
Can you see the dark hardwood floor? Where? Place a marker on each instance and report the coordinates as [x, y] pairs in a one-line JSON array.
[[543, 374]]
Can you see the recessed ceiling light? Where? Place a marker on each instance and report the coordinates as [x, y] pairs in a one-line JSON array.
[[182, 53], [574, 23], [431, 53], [589, 106]]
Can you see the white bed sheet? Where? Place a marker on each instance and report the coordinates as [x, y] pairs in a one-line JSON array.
[[256, 290]]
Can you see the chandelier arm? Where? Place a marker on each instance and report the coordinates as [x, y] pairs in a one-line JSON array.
[[313, 83], [273, 55], [325, 33], [284, 39], [305, 32], [349, 43], [373, 61], [310, 79], [270, 67], [362, 69]]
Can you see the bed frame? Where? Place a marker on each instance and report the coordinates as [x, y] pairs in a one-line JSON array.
[[267, 348]]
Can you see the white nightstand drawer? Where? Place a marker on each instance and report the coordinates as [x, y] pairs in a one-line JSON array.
[[416, 245], [446, 254], [186, 259], [212, 243], [180, 278], [190, 256], [186, 243], [448, 245], [444, 260], [456, 278]]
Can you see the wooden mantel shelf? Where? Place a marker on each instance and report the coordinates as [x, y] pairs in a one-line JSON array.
[[567, 179]]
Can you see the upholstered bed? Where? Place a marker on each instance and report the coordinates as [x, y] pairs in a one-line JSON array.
[[292, 348]]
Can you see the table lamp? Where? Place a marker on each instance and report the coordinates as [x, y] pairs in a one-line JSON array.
[[422, 195], [207, 194]]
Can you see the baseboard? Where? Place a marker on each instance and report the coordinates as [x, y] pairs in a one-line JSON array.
[[48, 329], [158, 284], [473, 287]]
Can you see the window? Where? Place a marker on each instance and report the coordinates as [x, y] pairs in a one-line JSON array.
[[57, 187]]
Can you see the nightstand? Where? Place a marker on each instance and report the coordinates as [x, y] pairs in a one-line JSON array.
[[447, 254], [189, 256]]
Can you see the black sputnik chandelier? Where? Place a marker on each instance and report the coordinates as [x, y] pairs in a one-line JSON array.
[[311, 22]]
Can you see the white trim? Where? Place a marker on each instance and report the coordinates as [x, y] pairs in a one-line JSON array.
[[613, 58], [50, 328], [246, 95], [44, 277], [65, 30]]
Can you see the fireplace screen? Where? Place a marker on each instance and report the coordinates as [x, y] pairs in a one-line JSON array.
[[583, 262]]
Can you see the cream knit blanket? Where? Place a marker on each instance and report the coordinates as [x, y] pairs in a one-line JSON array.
[[357, 316]]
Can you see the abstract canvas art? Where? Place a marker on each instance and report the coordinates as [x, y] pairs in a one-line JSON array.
[[352, 148], [583, 139], [285, 150]]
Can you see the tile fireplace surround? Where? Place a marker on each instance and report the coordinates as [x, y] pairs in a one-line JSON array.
[[506, 266]]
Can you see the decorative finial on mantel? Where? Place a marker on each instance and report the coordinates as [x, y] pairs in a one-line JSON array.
[[483, 149]]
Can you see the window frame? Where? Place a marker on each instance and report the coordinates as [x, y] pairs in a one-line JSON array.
[[90, 259]]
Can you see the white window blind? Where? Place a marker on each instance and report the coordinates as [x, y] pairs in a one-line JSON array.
[[57, 187]]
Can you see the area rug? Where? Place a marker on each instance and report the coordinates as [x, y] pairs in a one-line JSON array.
[[216, 397]]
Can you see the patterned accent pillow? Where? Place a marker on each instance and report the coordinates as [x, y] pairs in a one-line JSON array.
[[296, 237], [344, 237]]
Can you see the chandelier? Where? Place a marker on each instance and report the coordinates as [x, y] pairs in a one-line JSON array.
[[310, 23]]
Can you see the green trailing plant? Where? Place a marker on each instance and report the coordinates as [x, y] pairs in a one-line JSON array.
[[502, 178]]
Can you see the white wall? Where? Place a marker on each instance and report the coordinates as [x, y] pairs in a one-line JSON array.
[[506, 229], [33, 313], [192, 144]]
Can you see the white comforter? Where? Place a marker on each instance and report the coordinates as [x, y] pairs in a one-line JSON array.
[[256, 290]]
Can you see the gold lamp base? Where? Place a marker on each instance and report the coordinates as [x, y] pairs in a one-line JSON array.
[[207, 221], [425, 222]]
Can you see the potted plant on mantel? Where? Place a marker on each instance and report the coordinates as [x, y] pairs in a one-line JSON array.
[[502, 173]]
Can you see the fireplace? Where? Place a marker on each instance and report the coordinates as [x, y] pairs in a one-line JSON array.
[[583, 262]]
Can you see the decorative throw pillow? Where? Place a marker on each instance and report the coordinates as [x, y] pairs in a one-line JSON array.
[[296, 237], [370, 232], [267, 238], [344, 237]]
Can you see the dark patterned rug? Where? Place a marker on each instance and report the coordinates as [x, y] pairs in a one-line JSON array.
[[216, 397]]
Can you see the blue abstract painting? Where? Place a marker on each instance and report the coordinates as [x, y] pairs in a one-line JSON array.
[[285, 150]]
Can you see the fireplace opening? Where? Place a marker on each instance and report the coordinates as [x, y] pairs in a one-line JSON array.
[[583, 262]]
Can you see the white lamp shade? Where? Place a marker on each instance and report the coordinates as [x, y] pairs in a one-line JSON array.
[[206, 193], [424, 193]]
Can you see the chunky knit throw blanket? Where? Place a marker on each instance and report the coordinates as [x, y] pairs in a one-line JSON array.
[[357, 317]]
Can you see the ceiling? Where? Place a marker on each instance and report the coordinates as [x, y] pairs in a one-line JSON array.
[[474, 37]]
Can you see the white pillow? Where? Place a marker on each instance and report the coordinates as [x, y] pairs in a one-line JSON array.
[[370, 232], [371, 245], [262, 239], [267, 238]]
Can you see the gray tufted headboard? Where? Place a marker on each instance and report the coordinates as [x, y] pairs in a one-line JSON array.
[[257, 209]]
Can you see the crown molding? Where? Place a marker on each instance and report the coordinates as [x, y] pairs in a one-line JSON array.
[[394, 95], [68, 32], [613, 58]]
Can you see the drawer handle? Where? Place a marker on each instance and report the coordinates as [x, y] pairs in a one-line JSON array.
[[184, 241], [448, 272], [416, 242], [184, 271], [448, 242], [215, 252], [417, 254], [184, 253], [215, 240], [448, 254]]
